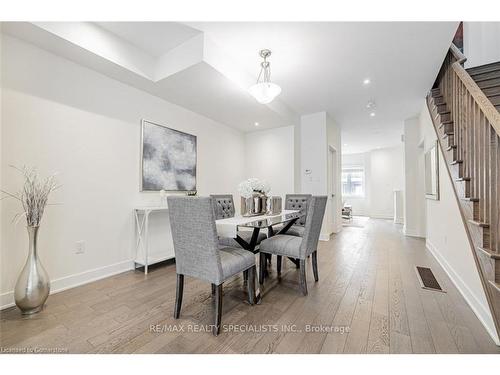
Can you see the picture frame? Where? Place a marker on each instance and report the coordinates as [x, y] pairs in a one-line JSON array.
[[432, 172], [168, 159]]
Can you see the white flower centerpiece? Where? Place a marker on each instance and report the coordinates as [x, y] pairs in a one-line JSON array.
[[253, 196]]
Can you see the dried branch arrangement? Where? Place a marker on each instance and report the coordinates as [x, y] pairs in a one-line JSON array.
[[33, 196]]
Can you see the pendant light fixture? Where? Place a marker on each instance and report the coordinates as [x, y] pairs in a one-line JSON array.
[[264, 91]]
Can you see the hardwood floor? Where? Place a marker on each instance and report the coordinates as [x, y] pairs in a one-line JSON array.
[[367, 300]]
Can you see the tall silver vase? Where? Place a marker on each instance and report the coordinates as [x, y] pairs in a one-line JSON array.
[[33, 285]]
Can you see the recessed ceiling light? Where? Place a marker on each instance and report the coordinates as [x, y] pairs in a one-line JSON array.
[[345, 144], [366, 81], [256, 124], [372, 114]]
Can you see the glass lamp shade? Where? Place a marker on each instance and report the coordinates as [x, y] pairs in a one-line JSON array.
[[265, 92]]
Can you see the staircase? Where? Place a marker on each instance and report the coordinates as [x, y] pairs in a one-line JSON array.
[[487, 77], [464, 106]]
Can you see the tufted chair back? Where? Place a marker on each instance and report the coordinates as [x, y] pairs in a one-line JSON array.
[[223, 206], [298, 202]]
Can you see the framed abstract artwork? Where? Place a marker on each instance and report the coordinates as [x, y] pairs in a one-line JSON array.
[[168, 159]]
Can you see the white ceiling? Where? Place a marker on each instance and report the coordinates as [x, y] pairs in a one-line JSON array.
[[206, 67], [154, 38], [321, 66]]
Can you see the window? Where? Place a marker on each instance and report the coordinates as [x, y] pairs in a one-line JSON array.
[[353, 182]]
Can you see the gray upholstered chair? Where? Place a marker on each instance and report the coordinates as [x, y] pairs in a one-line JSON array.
[[297, 202], [284, 245], [198, 254], [223, 209]]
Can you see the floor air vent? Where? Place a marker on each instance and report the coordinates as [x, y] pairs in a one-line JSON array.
[[427, 279]]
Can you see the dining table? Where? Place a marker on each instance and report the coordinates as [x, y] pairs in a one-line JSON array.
[[229, 227]]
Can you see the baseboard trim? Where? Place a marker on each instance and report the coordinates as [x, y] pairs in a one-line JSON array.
[[384, 217], [482, 312], [412, 233], [72, 281], [324, 237]]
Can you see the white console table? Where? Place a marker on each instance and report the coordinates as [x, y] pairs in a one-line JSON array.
[[143, 257]]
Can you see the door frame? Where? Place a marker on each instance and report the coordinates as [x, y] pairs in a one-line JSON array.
[[332, 188]]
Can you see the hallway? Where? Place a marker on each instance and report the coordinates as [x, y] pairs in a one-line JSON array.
[[368, 300]]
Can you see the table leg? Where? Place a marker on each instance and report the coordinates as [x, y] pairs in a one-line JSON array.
[[140, 234], [146, 241], [251, 247], [287, 226]]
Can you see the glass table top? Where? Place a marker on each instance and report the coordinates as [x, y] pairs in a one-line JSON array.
[[274, 220]]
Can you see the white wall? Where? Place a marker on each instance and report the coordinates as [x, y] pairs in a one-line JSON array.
[[334, 141], [481, 43], [383, 174], [446, 236], [313, 151], [62, 117], [386, 176], [270, 156], [414, 196], [318, 131]]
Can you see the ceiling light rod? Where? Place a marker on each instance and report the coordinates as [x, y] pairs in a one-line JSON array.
[[264, 91], [265, 66]]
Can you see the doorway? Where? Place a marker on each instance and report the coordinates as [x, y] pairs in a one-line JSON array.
[[333, 208]]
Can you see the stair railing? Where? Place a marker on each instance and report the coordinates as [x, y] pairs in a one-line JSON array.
[[476, 128]]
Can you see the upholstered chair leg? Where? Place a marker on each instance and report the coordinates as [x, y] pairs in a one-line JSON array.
[[245, 276], [251, 285], [218, 309], [315, 265], [213, 289], [178, 295], [262, 267], [278, 264], [302, 277]]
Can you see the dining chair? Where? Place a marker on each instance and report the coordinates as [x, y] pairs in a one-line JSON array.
[[297, 202], [198, 254], [285, 245], [223, 209]]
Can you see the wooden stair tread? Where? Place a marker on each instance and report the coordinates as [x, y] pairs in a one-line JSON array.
[[491, 91], [480, 77], [481, 69], [443, 112], [494, 99], [488, 84], [488, 252], [468, 199], [486, 75], [496, 285], [479, 223], [444, 123]]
